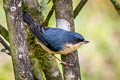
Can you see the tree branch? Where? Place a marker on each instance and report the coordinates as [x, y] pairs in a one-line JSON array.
[[4, 33], [79, 7], [7, 48], [116, 6], [4, 43], [49, 16]]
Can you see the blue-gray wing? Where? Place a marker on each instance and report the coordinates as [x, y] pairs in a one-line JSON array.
[[56, 38]]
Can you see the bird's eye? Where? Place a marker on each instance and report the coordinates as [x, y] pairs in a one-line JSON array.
[[77, 39]]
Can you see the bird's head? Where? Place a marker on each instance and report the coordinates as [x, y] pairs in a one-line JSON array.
[[80, 38]]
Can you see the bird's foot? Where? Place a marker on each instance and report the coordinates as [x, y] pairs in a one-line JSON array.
[[64, 63], [67, 64]]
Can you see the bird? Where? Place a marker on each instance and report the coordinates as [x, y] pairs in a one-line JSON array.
[[54, 40]]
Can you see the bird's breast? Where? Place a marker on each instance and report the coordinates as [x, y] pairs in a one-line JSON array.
[[67, 48]]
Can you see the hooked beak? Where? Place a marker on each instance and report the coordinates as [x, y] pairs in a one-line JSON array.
[[85, 42]]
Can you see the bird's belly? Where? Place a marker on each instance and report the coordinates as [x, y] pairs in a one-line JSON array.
[[46, 48], [68, 48]]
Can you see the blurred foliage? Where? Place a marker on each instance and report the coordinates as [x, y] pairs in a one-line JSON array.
[[100, 24]]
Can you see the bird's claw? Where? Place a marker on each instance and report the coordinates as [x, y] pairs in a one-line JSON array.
[[67, 64]]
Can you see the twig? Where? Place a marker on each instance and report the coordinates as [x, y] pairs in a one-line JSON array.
[[4, 33], [49, 16], [79, 7], [116, 6], [5, 45]]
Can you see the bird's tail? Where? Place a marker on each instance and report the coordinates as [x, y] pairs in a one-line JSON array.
[[35, 27], [28, 19]]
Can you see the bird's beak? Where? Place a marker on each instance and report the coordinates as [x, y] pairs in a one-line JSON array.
[[85, 42]]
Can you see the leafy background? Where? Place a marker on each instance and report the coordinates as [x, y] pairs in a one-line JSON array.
[[100, 24]]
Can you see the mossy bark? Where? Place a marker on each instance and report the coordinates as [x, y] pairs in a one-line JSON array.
[[44, 65]]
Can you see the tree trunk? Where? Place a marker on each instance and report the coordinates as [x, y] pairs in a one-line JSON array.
[[65, 20], [18, 42]]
